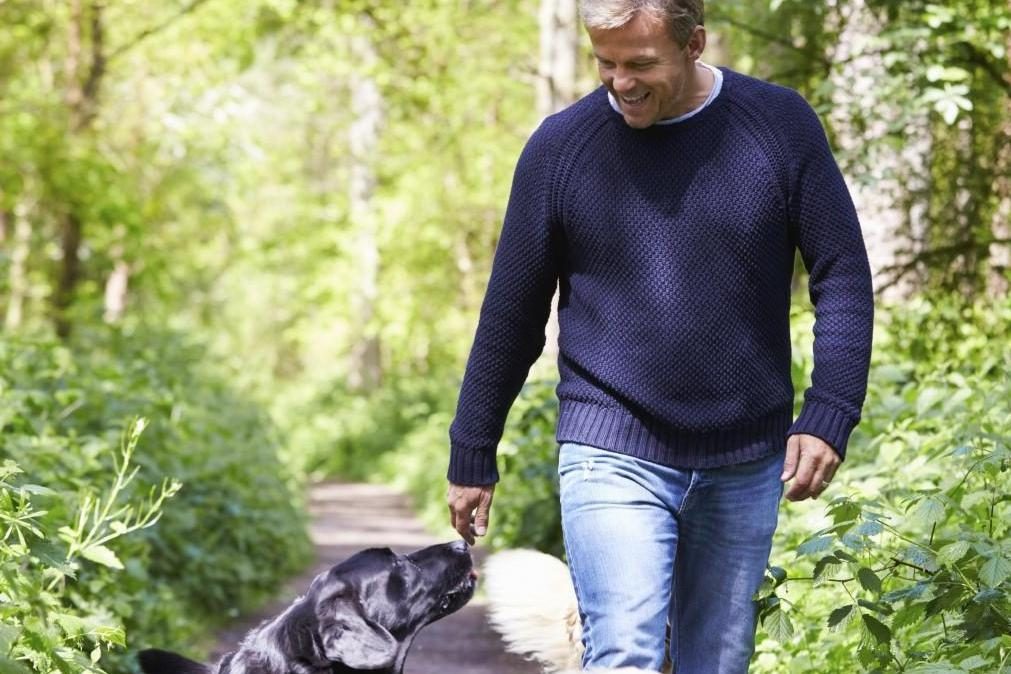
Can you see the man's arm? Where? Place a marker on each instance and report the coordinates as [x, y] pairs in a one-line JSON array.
[[825, 227], [510, 332]]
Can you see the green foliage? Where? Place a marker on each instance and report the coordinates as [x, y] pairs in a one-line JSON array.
[[50, 621], [909, 567], [222, 544]]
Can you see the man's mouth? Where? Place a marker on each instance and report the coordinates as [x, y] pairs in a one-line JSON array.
[[633, 100]]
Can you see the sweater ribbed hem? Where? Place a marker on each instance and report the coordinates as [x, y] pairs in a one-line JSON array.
[[467, 467], [826, 422], [620, 431]]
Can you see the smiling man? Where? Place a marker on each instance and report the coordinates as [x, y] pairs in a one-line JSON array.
[[667, 206]]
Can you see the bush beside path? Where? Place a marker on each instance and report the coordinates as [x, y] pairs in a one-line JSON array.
[[347, 518]]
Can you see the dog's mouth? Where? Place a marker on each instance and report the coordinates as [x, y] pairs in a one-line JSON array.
[[458, 595]]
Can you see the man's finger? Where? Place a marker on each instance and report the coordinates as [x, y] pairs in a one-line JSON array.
[[460, 513], [792, 456], [803, 477], [464, 528], [483, 512], [823, 475]]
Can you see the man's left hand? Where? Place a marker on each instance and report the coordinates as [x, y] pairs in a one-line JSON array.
[[811, 464]]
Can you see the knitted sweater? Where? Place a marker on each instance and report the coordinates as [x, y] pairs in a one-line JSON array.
[[672, 248]]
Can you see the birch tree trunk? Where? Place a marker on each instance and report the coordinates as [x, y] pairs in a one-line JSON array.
[[1000, 271], [365, 368], [556, 89], [17, 282]]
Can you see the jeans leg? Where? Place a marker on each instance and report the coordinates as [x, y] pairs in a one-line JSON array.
[[726, 529], [620, 538]]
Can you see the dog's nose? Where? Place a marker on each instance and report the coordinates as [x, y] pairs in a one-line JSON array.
[[459, 546]]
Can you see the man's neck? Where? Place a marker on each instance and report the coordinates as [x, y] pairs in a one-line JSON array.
[[698, 84]]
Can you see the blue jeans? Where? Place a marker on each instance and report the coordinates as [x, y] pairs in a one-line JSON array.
[[650, 545]]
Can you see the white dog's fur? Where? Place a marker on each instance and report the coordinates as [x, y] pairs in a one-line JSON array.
[[533, 606]]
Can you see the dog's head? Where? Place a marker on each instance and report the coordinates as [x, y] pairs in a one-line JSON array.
[[362, 614], [370, 607]]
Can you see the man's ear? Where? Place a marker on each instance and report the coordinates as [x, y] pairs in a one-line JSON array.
[[697, 42], [349, 637]]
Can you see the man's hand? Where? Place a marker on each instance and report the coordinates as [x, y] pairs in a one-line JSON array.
[[469, 508], [813, 463]]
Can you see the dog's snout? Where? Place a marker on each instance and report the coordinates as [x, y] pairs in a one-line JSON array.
[[459, 546]]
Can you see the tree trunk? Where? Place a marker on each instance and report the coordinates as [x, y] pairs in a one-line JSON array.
[[18, 276], [556, 89], [80, 96], [365, 371], [116, 287], [999, 281]]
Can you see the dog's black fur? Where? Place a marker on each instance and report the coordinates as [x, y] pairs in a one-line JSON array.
[[360, 616]]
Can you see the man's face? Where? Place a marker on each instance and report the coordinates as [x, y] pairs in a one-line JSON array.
[[645, 69]]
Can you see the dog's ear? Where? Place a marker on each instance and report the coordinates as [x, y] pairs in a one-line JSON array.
[[154, 661], [349, 637]]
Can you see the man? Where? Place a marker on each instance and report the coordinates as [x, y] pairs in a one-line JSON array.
[[667, 205]]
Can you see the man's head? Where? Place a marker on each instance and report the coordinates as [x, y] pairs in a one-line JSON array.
[[646, 52]]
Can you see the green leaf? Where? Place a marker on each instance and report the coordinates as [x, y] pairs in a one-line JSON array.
[[37, 489], [815, 545], [877, 629], [777, 624], [839, 615], [869, 528], [8, 635], [907, 615], [928, 398], [936, 668], [938, 73], [995, 571], [8, 666], [975, 662], [869, 580], [71, 625], [877, 607], [828, 564], [929, 510], [952, 552], [845, 556], [102, 555]]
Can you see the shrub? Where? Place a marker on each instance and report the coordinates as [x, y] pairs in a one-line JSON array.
[[233, 531]]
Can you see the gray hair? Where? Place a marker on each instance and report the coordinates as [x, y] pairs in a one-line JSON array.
[[681, 16]]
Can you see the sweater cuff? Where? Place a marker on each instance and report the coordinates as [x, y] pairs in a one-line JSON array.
[[826, 422], [473, 468]]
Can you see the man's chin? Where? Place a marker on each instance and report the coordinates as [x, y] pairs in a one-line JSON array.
[[638, 121]]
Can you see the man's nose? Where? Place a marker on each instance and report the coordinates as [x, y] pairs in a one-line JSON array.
[[623, 81]]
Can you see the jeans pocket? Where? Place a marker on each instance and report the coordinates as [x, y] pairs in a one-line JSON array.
[[572, 457]]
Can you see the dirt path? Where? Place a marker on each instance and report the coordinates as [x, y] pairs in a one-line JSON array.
[[349, 517]]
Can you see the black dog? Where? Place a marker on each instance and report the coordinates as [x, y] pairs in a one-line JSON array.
[[361, 615]]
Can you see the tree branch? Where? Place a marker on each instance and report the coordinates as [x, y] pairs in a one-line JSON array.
[[157, 28], [768, 37], [896, 272], [976, 57]]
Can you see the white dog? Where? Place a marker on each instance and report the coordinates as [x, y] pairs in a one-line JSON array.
[[533, 606]]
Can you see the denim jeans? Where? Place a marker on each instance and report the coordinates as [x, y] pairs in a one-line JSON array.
[[650, 545]]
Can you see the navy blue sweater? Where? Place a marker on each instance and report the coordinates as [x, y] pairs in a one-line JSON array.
[[672, 248]]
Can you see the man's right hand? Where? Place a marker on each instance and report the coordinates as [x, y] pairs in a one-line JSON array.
[[469, 508]]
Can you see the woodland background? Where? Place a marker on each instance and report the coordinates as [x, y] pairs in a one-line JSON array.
[[243, 245]]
